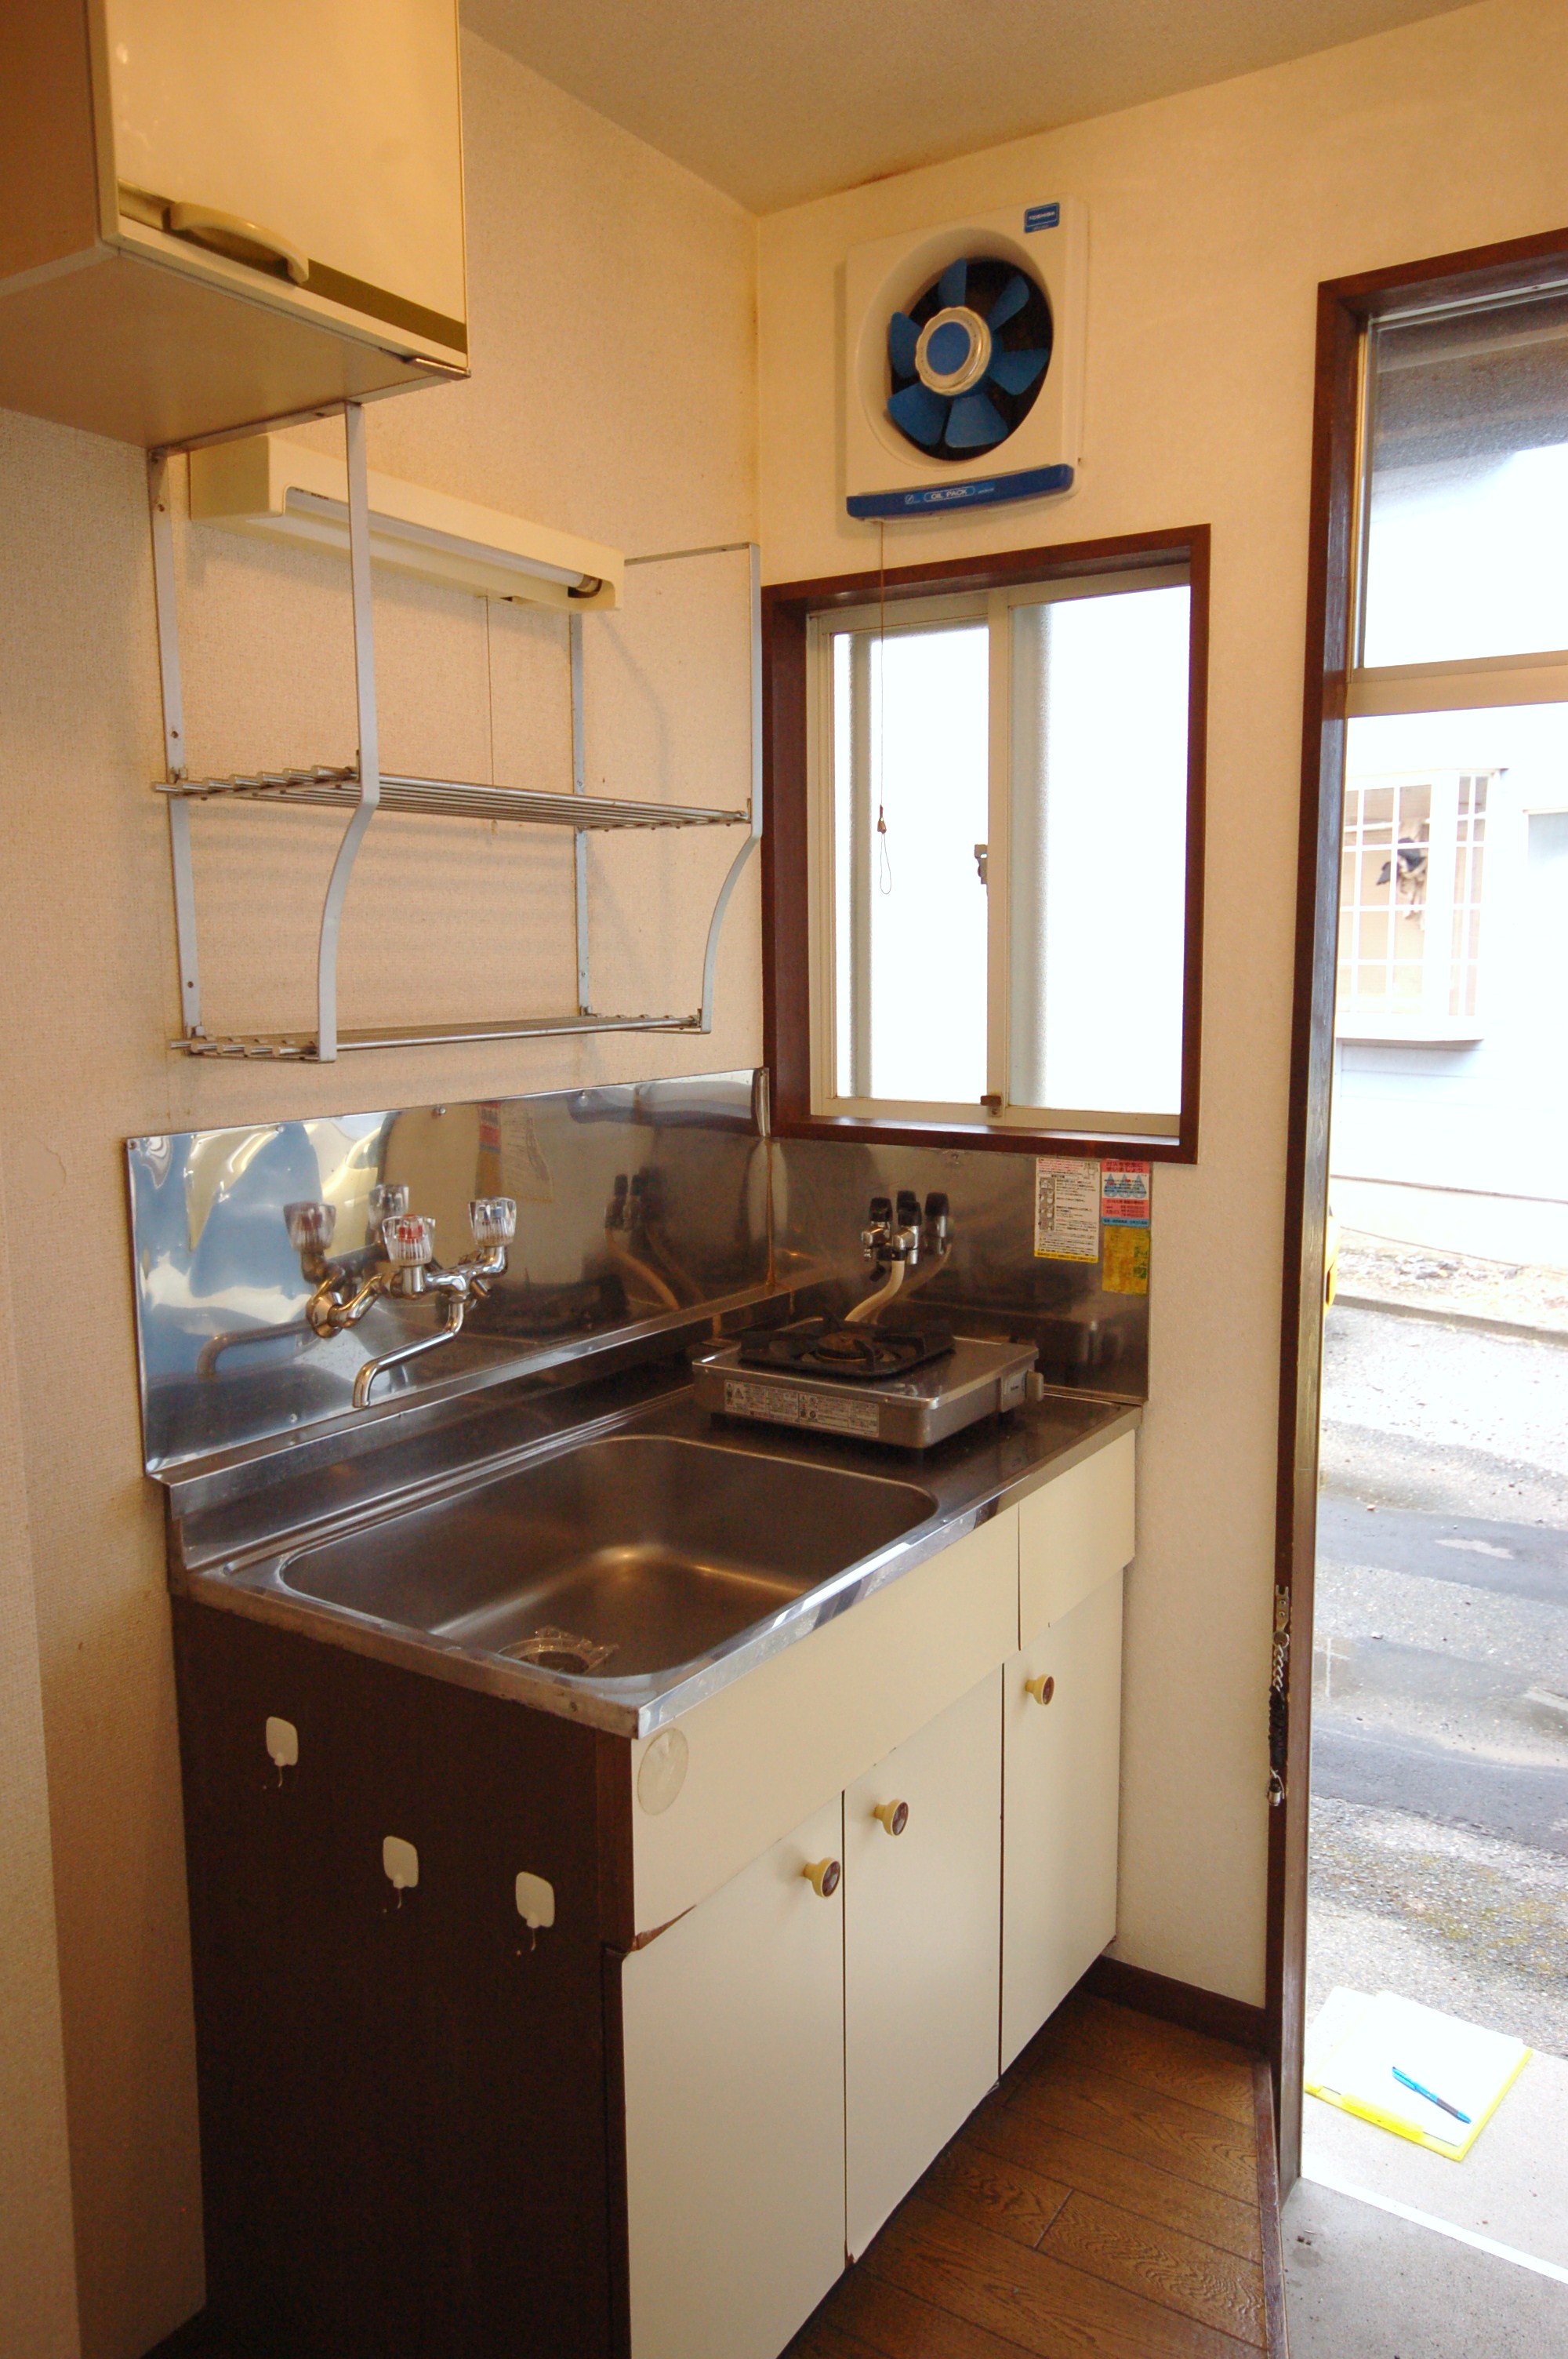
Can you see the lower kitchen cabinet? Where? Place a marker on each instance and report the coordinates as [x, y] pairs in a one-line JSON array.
[[732, 2028], [1061, 1785], [460, 2100], [921, 1933]]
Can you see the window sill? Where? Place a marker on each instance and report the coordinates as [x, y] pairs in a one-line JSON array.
[[987, 1137], [1398, 1033]]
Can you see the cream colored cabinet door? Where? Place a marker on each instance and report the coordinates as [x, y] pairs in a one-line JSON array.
[[330, 126], [921, 1909], [733, 2029], [1061, 1787]]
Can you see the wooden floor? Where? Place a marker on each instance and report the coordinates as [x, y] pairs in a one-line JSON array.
[[1113, 2199]]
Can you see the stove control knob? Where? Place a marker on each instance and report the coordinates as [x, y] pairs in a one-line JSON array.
[[822, 1875], [894, 1816]]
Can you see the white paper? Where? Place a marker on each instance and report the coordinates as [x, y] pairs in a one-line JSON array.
[[1461, 2062]]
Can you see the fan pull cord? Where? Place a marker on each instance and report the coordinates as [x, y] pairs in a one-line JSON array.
[[885, 859]]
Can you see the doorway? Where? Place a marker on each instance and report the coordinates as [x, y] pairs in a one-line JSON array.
[[1429, 1579]]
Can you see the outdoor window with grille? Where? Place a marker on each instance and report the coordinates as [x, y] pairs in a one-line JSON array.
[[1411, 906]]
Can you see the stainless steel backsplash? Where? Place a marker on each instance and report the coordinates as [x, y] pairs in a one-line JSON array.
[[737, 1226]]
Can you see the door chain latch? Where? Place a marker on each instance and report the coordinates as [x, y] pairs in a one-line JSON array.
[[1279, 1715]]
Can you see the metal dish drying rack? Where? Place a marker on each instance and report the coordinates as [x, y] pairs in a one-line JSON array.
[[362, 788]]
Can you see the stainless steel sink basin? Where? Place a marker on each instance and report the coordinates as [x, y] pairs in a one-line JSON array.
[[627, 1556]]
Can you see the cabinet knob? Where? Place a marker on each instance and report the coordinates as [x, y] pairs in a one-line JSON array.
[[894, 1816], [1042, 1689], [822, 1875]]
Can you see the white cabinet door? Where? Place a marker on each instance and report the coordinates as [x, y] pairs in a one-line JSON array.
[[734, 2030], [331, 124], [921, 1951], [1061, 1785]]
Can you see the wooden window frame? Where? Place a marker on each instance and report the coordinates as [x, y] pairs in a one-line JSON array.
[[786, 916], [1344, 308]]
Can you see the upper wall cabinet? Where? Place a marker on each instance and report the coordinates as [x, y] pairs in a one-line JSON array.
[[214, 217]]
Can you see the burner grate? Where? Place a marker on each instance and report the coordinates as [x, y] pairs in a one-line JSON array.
[[818, 1347]]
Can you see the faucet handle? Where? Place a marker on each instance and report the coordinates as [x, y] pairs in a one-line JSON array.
[[387, 1201], [493, 1220], [311, 1226], [409, 1239]]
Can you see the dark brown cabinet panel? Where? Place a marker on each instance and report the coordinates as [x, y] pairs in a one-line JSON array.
[[403, 2095]]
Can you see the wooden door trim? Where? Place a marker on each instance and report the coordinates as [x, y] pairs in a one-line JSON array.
[[1345, 306]]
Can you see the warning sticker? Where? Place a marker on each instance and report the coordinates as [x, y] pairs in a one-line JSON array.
[[1066, 1207], [1126, 1267], [783, 1406], [1124, 1193]]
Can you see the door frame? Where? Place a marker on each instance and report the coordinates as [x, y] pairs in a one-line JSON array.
[[1345, 308]]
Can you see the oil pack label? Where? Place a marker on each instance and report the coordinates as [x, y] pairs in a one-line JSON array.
[[783, 1406]]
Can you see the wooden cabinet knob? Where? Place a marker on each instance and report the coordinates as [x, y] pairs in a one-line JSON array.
[[1042, 1689], [822, 1875], [894, 1816]]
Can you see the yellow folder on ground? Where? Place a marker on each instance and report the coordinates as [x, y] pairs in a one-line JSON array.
[[1473, 2068]]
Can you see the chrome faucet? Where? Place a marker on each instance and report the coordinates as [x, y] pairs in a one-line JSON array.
[[406, 1270], [894, 1241]]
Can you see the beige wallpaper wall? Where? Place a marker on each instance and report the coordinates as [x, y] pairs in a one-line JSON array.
[[1212, 216], [38, 2283], [613, 305]]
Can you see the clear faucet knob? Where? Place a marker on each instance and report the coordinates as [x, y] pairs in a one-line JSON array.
[[493, 1220], [409, 1239], [311, 1226], [386, 1201]]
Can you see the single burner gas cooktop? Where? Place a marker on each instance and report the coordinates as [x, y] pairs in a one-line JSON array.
[[821, 1347], [863, 1383]]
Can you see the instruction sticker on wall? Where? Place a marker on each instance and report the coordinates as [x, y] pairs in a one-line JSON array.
[[1125, 1197], [1066, 1207], [1124, 1193]]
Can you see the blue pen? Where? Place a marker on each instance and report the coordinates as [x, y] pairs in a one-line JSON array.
[[1430, 2095]]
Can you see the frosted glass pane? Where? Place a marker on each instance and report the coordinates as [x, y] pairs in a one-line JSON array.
[[1468, 510], [1099, 814], [909, 740]]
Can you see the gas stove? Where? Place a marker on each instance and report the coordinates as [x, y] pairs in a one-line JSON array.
[[906, 1387], [827, 1347]]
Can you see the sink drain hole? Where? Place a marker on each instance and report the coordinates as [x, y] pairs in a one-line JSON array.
[[559, 1650]]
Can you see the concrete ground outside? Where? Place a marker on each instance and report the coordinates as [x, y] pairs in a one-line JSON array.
[[1439, 1857]]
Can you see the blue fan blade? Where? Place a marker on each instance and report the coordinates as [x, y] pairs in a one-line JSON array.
[[1012, 299], [953, 284], [1016, 372], [975, 424], [921, 414], [903, 338]]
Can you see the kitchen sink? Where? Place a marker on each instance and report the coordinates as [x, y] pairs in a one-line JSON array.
[[626, 1556]]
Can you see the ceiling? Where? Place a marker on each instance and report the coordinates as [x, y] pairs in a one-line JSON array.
[[778, 101]]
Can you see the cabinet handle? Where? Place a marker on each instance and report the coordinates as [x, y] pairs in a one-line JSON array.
[[894, 1816], [822, 1875], [1041, 1688], [241, 241]]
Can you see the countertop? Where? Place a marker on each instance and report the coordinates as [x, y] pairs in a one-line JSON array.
[[235, 1524]]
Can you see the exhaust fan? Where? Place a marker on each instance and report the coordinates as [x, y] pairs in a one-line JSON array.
[[963, 382]]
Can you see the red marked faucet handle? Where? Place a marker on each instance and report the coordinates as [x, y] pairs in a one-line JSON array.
[[311, 1226], [409, 1239]]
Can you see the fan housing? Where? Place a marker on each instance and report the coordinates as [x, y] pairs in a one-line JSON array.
[[963, 382]]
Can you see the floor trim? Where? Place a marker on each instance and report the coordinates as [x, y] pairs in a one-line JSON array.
[[1472, 2237], [1173, 2002], [1272, 2227]]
